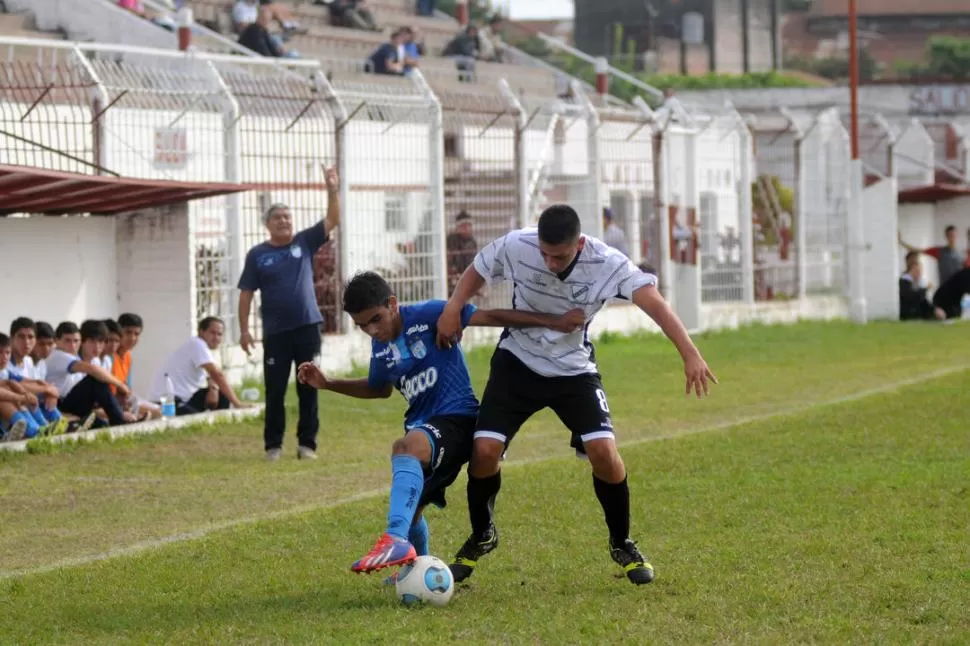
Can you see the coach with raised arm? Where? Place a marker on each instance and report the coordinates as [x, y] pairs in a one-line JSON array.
[[282, 270]]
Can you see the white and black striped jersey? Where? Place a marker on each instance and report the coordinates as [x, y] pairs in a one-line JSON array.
[[598, 274]]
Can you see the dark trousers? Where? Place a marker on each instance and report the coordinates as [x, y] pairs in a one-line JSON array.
[[88, 394], [196, 403], [280, 352]]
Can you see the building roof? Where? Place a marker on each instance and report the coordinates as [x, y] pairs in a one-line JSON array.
[[834, 8], [933, 194], [24, 189]]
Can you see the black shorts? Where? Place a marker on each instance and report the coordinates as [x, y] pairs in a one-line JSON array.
[[515, 393], [451, 448]]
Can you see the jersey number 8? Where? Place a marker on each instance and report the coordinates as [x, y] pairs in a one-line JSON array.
[[601, 396]]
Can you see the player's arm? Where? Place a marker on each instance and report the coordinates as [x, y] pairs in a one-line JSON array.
[[364, 388], [39, 387], [568, 322], [217, 377], [332, 221], [649, 299], [99, 374], [491, 264]]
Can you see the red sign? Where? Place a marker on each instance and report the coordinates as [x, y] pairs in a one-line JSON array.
[[171, 148]]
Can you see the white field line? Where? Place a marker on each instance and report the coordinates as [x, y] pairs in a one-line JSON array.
[[366, 495]]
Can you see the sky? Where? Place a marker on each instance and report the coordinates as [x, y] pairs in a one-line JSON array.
[[534, 9]]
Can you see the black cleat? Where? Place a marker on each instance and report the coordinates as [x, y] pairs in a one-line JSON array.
[[628, 557], [473, 549]]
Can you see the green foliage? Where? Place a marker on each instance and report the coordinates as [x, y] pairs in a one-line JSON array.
[[836, 68], [949, 57]]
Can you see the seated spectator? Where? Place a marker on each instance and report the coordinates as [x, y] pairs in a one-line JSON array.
[[246, 12], [130, 327], [426, 7], [490, 44], [256, 37], [190, 367], [13, 421], [389, 58], [136, 7], [413, 49], [82, 386], [27, 406], [949, 297], [913, 303], [613, 235], [111, 343], [21, 369], [463, 49], [42, 349], [350, 13], [461, 248]]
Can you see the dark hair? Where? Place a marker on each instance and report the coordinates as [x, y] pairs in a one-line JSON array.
[[207, 322], [364, 291], [910, 256], [950, 228], [65, 328], [647, 268], [4, 340], [559, 224], [112, 326], [93, 330], [44, 330], [130, 320], [21, 323], [462, 216]]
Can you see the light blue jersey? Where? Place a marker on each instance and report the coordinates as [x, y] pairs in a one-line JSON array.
[[434, 381]]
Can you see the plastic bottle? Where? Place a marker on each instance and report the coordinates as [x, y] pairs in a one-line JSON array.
[[168, 399], [965, 306]]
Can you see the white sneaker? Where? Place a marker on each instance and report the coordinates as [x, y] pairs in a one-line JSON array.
[[273, 455], [306, 453], [16, 432]]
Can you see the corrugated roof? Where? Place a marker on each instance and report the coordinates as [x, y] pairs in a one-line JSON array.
[[824, 8]]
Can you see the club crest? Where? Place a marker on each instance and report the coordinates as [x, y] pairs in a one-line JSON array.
[[419, 350]]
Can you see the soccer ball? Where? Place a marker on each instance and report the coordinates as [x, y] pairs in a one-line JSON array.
[[425, 580]]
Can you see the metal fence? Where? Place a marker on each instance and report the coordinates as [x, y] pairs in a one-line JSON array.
[[726, 208]]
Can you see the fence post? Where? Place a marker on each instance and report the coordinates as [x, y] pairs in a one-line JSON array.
[[747, 210], [436, 144], [593, 155], [233, 175], [100, 101], [521, 159], [801, 213], [339, 113], [858, 309]]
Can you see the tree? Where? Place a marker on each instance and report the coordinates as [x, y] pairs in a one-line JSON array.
[[949, 57]]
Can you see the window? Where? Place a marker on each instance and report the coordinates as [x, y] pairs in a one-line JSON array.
[[395, 212]]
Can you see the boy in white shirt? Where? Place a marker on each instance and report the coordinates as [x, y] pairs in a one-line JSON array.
[[82, 386], [19, 412], [189, 367], [21, 369], [43, 346]]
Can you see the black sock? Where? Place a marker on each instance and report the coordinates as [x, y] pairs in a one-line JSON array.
[[615, 500], [481, 501]]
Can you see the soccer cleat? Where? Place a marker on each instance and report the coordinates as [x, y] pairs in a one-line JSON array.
[[273, 455], [305, 453], [473, 549], [387, 552], [16, 431], [628, 556]]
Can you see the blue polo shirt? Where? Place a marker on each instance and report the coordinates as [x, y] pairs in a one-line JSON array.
[[284, 278]]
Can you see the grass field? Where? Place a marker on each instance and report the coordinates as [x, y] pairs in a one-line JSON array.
[[820, 495]]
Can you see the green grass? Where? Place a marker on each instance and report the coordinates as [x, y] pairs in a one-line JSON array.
[[833, 523]]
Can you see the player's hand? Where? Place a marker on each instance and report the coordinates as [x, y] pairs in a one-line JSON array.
[[939, 314], [212, 399], [570, 321], [449, 327], [246, 342], [332, 179], [124, 390], [30, 400], [698, 375], [308, 373]]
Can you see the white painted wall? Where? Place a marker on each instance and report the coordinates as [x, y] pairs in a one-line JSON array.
[[155, 281], [57, 269], [882, 270]]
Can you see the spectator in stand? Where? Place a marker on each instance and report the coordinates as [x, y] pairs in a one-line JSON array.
[[949, 259], [613, 235], [246, 12], [136, 7], [426, 7], [461, 247], [949, 297], [256, 37], [21, 369], [413, 49], [282, 270], [490, 44], [326, 282], [350, 13], [190, 367], [913, 303], [463, 49], [42, 349], [81, 385], [390, 57]]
